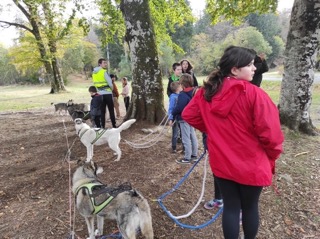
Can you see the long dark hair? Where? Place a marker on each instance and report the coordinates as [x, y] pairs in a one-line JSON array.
[[233, 57], [190, 67]]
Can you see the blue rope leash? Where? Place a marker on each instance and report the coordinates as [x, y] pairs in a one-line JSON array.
[[214, 218], [114, 235]]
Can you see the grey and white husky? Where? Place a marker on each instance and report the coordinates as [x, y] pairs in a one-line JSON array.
[[125, 205]]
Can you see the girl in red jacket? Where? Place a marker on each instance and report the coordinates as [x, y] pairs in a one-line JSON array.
[[244, 137]]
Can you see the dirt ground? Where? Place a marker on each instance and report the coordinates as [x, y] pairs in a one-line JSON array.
[[34, 193]]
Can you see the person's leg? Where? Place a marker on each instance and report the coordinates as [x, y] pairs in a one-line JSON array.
[[127, 102], [103, 111], [250, 210], [231, 198], [217, 191], [217, 201], [174, 136], [110, 105], [97, 121], [116, 106], [186, 141], [194, 142]]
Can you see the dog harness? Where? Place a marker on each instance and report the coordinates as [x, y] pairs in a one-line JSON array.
[[89, 187], [102, 189], [99, 133]]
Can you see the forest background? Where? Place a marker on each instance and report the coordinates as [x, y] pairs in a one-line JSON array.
[[197, 40]]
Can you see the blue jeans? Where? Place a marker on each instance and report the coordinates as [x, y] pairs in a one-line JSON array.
[[175, 132], [189, 140]]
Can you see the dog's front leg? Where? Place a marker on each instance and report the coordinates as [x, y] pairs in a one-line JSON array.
[[89, 157], [90, 225], [100, 222]]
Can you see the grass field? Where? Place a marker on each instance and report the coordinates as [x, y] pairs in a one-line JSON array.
[[26, 97]]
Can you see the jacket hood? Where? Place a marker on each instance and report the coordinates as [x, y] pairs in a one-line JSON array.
[[96, 69], [225, 99]]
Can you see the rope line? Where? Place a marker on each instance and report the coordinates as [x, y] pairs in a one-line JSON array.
[[67, 158], [150, 142], [175, 218]]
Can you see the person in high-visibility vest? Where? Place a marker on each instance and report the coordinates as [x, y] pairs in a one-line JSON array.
[[103, 83]]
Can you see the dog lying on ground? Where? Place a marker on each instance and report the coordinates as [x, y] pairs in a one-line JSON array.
[[90, 137], [123, 204]]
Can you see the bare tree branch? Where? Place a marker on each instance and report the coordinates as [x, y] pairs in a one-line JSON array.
[[15, 25]]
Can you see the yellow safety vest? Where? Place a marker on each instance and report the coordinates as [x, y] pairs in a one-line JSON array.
[[99, 81]]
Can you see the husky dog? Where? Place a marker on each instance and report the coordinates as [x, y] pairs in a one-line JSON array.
[[90, 137], [125, 205], [59, 107], [77, 110], [84, 115]]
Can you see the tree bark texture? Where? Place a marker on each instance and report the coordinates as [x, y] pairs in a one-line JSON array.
[[298, 77], [147, 88]]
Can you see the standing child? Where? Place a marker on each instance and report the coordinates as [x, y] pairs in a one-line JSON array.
[[175, 88], [244, 137], [115, 94], [95, 107], [188, 135], [125, 92], [176, 67], [188, 68]]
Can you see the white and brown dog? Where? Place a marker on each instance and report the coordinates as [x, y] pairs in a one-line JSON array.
[[89, 136]]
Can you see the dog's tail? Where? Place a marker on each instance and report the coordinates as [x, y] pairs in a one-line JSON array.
[[126, 125]]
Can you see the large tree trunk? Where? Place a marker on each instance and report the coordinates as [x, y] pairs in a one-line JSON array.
[[301, 50], [147, 89], [57, 84]]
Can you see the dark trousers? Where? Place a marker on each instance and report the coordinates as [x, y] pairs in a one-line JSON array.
[[126, 102], [107, 102], [238, 197], [96, 121]]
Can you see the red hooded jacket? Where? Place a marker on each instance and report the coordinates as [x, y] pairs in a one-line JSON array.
[[243, 128]]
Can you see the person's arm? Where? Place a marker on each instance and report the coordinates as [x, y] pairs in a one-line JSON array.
[[169, 92], [115, 90], [267, 125], [195, 81], [108, 80], [192, 115]]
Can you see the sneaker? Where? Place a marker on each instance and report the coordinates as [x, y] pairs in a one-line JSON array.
[[194, 158], [174, 151], [183, 161], [214, 203]]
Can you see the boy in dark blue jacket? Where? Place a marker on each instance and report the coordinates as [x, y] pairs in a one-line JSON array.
[[188, 135], [95, 107]]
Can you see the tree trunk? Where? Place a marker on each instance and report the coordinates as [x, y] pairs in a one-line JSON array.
[[298, 77], [147, 88]]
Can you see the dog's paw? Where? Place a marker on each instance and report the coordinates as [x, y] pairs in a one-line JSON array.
[[97, 233]]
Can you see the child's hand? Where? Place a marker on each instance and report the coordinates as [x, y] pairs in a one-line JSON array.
[[170, 122]]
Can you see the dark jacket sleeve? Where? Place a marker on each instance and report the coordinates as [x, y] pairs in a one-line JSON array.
[[169, 92], [195, 81]]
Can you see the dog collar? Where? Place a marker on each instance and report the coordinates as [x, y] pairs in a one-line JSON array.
[[82, 133]]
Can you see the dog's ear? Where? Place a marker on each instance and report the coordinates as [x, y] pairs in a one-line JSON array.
[[97, 170]]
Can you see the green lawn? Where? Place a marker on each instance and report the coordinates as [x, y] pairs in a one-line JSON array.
[[27, 97]]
